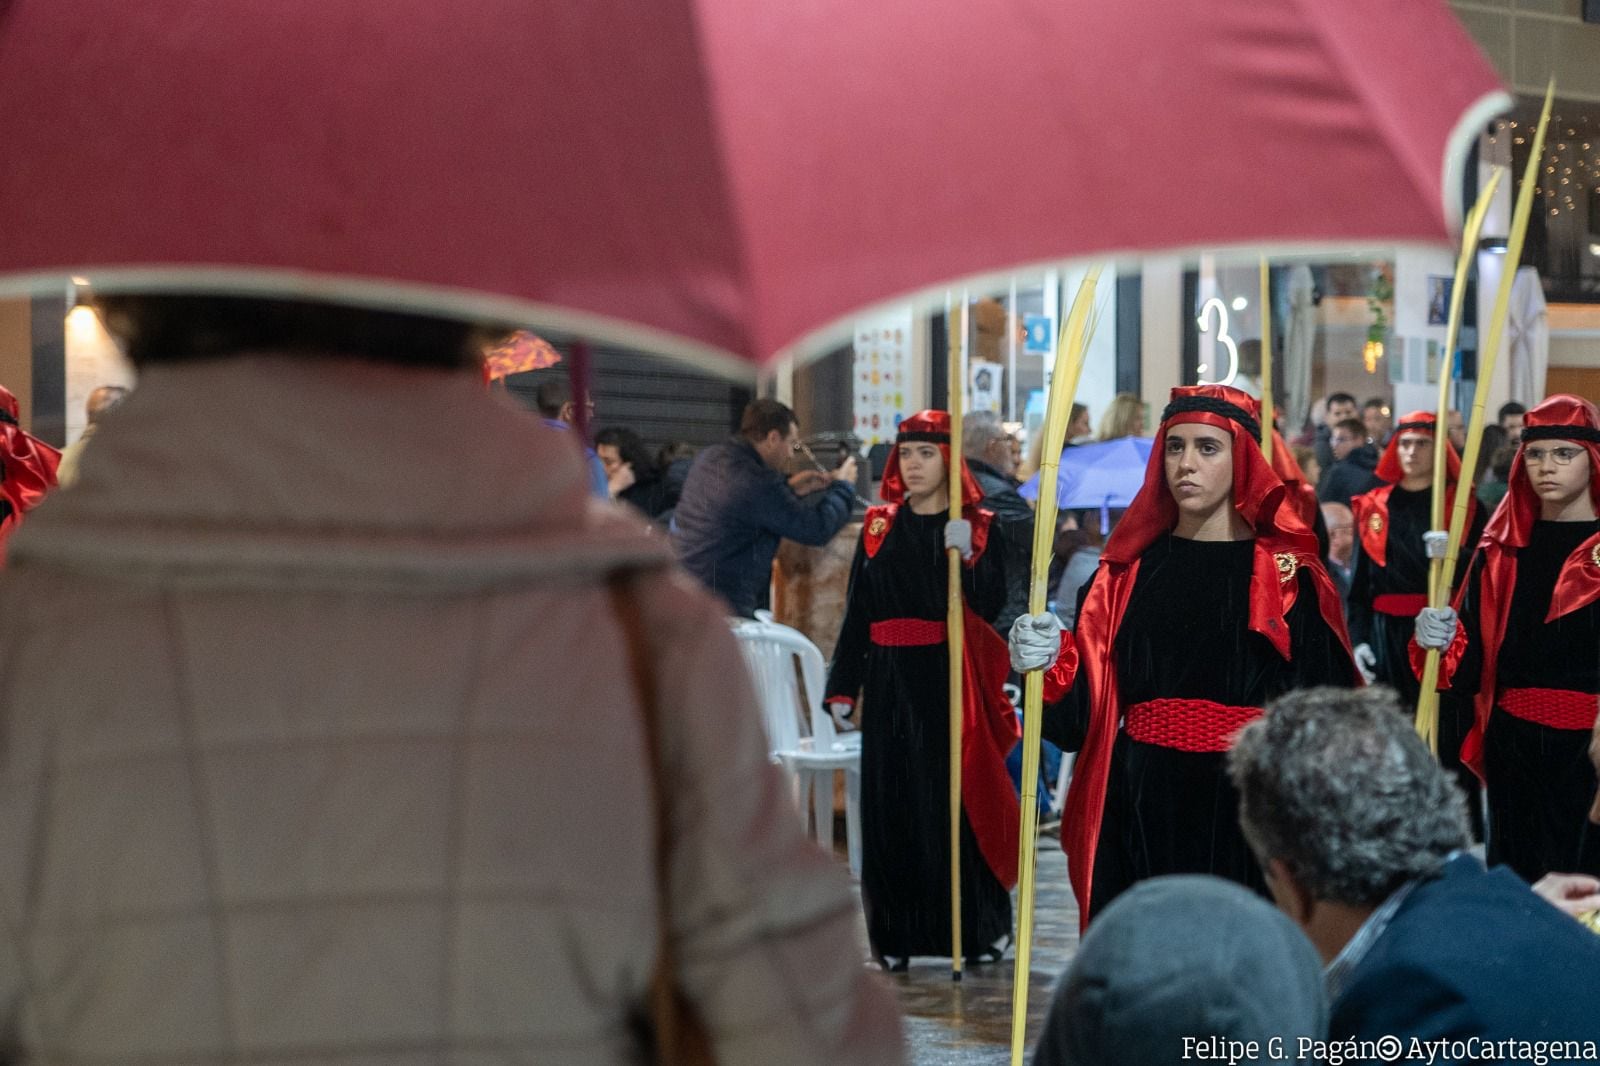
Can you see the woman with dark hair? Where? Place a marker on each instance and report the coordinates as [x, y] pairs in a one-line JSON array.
[[892, 652], [632, 473], [1209, 600]]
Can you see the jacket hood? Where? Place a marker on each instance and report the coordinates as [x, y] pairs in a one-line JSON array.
[[264, 462]]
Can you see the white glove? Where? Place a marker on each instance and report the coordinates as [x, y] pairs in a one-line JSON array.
[[1435, 627], [1035, 642], [1366, 662], [840, 711], [958, 535], [1433, 543]]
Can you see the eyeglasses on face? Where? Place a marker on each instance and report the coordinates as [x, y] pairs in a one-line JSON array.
[[1560, 455]]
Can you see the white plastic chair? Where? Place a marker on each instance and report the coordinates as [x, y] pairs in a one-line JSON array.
[[771, 651]]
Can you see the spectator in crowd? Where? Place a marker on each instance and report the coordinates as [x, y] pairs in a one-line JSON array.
[[320, 784], [1079, 428], [1079, 431], [631, 473], [1338, 407], [1375, 417], [27, 469], [1509, 418], [737, 505], [1125, 417], [1080, 537], [1494, 438], [674, 460], [1497, 479], [1364, 836], [554, 400], [1457, 431], [1306, 457], [1341, 545], [100, 401], [1177, 962], [1354, 467], [987, 448]]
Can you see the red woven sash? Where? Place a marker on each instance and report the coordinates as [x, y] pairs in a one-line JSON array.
[[1554, 708], [1400, 604], [1187, 725], [907, 633]]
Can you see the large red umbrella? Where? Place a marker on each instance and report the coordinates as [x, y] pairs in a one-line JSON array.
[[708, 176]]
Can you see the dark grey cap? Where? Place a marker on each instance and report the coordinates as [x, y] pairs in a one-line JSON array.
[[1177, 957]]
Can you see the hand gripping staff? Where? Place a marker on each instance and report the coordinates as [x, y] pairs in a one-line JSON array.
[[1074, 341], [1441, 577], [955, 623]]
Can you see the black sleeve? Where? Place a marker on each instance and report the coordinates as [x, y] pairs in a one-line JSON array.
[[985, 583], [1468, 674], [1316, 655], [850, 653], [1066, 722], [1358, 605], [1017, 539]]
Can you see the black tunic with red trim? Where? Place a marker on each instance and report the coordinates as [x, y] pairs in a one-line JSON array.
[[1540, 779], [1185, 636], [905, 744]]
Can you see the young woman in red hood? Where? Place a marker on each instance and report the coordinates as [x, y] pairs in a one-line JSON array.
[[1211, 599], [1526, 646], [892, 651]]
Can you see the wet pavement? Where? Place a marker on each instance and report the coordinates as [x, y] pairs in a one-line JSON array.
[[970, 1022]]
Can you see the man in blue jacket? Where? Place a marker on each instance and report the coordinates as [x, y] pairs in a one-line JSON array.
[[737, 505], [1363, 839]]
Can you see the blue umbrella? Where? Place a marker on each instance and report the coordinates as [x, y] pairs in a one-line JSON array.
[[1104, 475]]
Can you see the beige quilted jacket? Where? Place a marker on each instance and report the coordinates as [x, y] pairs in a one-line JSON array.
[[317, 745]]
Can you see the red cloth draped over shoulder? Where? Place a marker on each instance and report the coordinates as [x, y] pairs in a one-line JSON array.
[[1371, 509]]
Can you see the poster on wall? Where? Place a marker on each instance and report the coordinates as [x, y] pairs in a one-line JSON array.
[[1439, 299], [880, 374], [983, 386]]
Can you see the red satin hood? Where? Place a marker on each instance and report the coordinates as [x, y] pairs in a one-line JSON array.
[[1513, 520], [1258, 494], [1416, 422], [933, 426]]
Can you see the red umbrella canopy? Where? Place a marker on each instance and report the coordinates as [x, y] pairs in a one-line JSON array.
[[707, 176]]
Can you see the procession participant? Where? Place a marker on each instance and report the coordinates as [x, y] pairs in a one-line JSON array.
[[27, 469], [1527, 646], [1210, 600], [892, 652], [1302, 494], [1390, 582]]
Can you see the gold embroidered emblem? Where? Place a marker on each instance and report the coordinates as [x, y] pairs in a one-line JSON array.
[[877, 526], [1288, 563], [1375, 523], [1594, 554]]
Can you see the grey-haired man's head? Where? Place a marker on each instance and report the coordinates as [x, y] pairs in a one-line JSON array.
[[1343, 803]]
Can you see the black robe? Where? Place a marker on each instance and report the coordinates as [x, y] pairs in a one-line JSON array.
[[1405, 572], [905, 746], [1540, 780], [1185, 634]]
